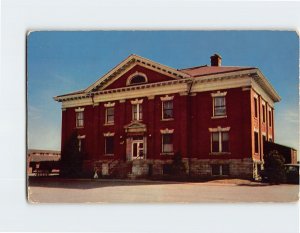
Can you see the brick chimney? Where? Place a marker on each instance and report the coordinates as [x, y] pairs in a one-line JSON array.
[[215, 60]]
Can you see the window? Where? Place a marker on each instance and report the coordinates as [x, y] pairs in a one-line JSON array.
[[110, 115], [264, 113], [167, 143], [167, 109], [255, 107], [137, 112], [79, 119], [109, 145], [219, 142], [138, 79], [220, 169], [256, 142], [270, 118], [219, 106]]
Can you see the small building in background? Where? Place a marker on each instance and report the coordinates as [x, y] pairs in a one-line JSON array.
[[42, 162]]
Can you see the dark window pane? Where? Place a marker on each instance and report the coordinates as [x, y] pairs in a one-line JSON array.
[[215, 142], [225, 169], [168, 109], [167, 140], [255, 107], [110, 113], [255, 142], [225, 142], [138, 79], [109, 145], [219, 106], [79, 119], [215, 169]]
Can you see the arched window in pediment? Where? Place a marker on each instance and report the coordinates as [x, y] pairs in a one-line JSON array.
[[136, 78]]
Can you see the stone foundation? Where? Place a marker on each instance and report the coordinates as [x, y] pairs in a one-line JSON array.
[[202, 168]]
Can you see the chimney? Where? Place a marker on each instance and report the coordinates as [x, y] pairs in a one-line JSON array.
[[215, 60]]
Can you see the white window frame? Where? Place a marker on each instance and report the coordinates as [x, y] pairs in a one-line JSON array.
[[164, 99], [107, 135], [218, 130], [219, 94], [77, 112], [164, 132], [106, 116], [138, 104]]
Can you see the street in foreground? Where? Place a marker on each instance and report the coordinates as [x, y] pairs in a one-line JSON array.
[[122, 191]]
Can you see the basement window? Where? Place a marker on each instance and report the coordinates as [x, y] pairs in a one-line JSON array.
[[220, 169]]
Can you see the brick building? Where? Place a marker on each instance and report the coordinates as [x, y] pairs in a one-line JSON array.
[[138, 115]]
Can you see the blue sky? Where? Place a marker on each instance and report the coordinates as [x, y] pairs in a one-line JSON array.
[[62, 62]]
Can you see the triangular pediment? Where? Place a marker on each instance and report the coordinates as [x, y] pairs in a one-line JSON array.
[[135, 126], [128, 64]]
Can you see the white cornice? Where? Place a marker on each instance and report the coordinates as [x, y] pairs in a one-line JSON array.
[[128, 63]]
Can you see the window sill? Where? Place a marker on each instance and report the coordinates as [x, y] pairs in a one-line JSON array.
[[168, 119], [167, 153], [108, 154], [79, 127], [108, 124], [219, 117], [220, 153]]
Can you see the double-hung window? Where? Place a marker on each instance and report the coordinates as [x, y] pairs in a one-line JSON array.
[[110, 115], [167, 143], [219, 139], [79, 117], [220, 142], [219, 106], [167, 107], [137, 112]]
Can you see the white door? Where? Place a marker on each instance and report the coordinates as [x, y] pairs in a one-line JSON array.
[[137, 149]]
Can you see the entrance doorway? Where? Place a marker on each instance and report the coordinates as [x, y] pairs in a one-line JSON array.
[[138, 150]]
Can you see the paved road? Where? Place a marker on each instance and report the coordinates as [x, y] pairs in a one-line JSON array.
[[106, 191]]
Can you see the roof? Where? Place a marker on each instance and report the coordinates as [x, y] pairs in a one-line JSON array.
[[209, 70], [177, 74], [43, 155]]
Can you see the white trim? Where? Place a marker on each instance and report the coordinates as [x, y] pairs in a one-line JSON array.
[[122, 101], [255, 129], [109, 134], [219, 117], [167, 131], [81, 137], [219, 94], [136, 101], [151, 97], [63, 109], [138, 105], [79, 109], [130, 62], [162, 109], [166, 98], [128, 81], [219, 129], [109, 104]]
